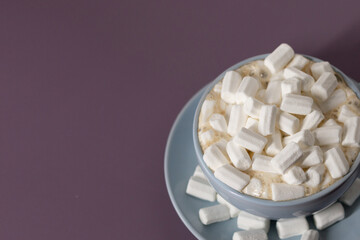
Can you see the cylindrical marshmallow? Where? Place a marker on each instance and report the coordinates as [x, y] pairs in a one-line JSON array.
[[234, 212], [230, 84], [329, 216], [324, 86], [249, 221], [213, 214], [310, 234], [336, 162], [232, 177], [262, 163], [283, 191], [328, 135], [252, 124], [273, 92], [248, 88], [267, 119], [237, 119], [238, 156], [214, 157], [252, 107], [306, 80], [199, 173], [298, 62], [290, 85], [295, 176], [296, 104], [206, 137], [279, 58], [287, 157], [304, 138], [274, 145], [200, 188], [250, 140], [352, 193], [254, 188], [289, 227], [352, 132], [336, 99], [345, 113], [311, 157], [312, 120], [288, 123], [319, 68], [250, 235], [218, 122], [207, 109], [314, 175]]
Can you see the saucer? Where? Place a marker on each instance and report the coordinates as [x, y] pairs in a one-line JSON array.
[[179, 165]]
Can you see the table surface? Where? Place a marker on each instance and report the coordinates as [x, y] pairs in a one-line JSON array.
[[90, 89]]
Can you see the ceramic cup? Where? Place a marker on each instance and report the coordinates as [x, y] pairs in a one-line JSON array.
[[268, 208]]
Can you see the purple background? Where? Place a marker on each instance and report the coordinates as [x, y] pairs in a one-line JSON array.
[[90, 89]]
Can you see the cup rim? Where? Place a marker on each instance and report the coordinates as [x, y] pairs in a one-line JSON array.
[[244, 196]]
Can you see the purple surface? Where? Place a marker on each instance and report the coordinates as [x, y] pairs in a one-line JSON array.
[[90, 89]]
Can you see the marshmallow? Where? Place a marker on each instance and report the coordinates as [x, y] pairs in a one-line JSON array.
[[250, 140], [288, 123], [260, 95], [218, 122], [232, 177], [336, 99], [328, 135], [273, 92], [250, 235], [234, 212], [279, 76], [330, 122], [319, 68], [311, 157], [324, 86], [199, 173], [312, 120], [200, 188], [230, 84], [249, 221], [206, 137], [351, 153], [213, 214], [329, 216], [254, 188], [274, 145], [221, 144], [267, 119], [214, 158], [345, 113], [252, 124], [314, 175], [306, 80], [295, 176], [289, 227], [310, 234], [218, 87], [283, 191], [237, 119], [252, 107], [290, 85], [296, 104], [279, 58], [352, 193], [228, 109], [352, 132], [262, 163], [207, 109], [326, 181], [298, 62], [336, 162], [248, 88], [287, 157], [238, 156], [304, 138]]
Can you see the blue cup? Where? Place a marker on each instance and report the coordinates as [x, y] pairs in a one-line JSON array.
[[268, 208]]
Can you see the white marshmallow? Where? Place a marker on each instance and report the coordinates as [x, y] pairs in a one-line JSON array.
[[327, 179], [314, 175], [336, 99], [329, 216], [228, 109], [218, 122], [290, 85], [221, 144], [254, 188], [319, 68], [304, 138], [218, 87], [200, 188], [232, 177], [249, 221], [298, 62], [207, 109], [213, 214], [199, 173], [311, 157], [296, 104], [351, 153], [312, 120], [288, 123], [206, 137], [250, 140], [283, 191], [352, 132], [336, 162], [310, 234], [274, 145], [230, 84], [352, 193], [248, 88], [262, 163], [324, 86], [250, 235], [328, 135], [279, 58], [273, 92], [345, 113], [252, 107], [237, 119], [252, 124], [279, 76], [287, 157], [234, 212], [289, 227], [295, 176], [306, 80], [330, 122], [214, 157], [260, 95], [267, 119], [238, 156]]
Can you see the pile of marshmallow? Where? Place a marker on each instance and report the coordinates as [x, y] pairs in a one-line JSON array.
[[255, 227], [278, 127]]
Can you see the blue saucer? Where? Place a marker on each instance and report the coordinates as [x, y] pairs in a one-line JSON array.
[[180, 162]]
